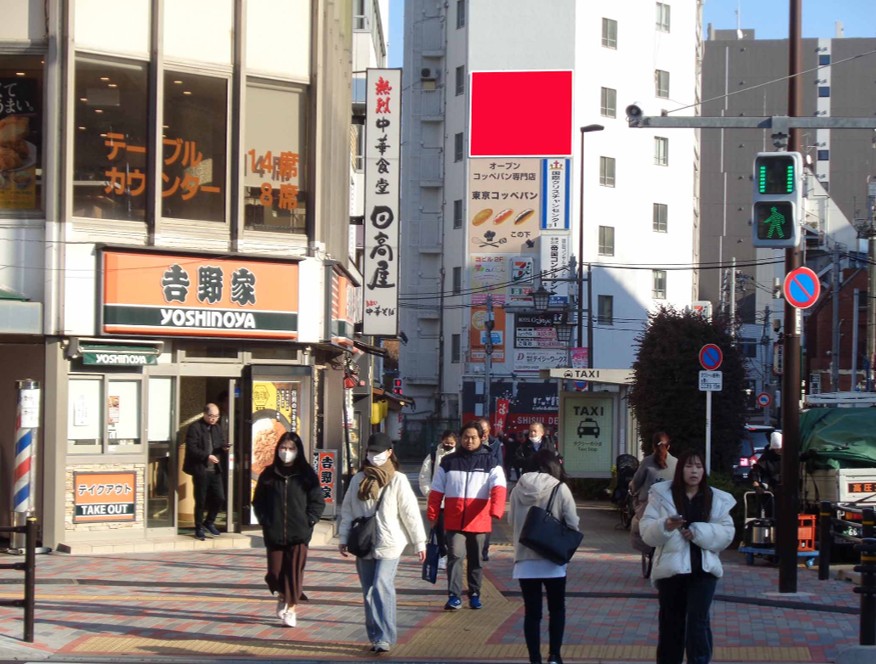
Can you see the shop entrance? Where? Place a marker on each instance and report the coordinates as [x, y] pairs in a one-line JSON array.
[[194, 393]]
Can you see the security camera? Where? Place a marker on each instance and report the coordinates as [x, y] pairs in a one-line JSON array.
[[634, 114]]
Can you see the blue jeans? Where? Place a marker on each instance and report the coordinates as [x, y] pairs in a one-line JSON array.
[[684, 618], [377, 578]]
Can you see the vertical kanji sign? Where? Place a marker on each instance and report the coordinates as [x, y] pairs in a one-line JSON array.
[[382, 161]]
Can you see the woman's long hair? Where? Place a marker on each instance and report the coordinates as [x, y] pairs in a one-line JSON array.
[[299, 465], [547, 461], [679, 488]]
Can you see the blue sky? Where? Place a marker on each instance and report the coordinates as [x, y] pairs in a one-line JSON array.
[[769, 19]]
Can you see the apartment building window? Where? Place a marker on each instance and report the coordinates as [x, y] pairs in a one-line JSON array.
[[608, 103], [606, 240], [460, 79], [663, 17], [457, 280], [661, 83], [824, 91], [824, 59], [823, 155], [661, 151], [605, 310], [606, 171], [457, 147], [360, 16], [661, 217], [460, 13], [455, 340], [658, 287], [457, 213], [609, 33]]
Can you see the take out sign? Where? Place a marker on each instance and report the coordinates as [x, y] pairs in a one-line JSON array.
[[161, 294]]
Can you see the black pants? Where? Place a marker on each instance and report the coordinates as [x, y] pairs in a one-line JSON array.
[[684, 618], [556, 601], [209, 496]]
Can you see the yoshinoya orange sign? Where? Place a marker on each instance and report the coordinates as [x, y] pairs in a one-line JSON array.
[[104, 496], [191, 295]]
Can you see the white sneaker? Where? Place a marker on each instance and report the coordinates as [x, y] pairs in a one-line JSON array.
[[282, 607], [442, 562], [289, 618]]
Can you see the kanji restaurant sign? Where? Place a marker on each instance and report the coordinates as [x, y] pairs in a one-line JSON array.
[[190, 295], [382, 157], [325, 463], [102, 497]]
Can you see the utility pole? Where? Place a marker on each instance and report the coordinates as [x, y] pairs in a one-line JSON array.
[[733, 299], [488, 359], [765, 343], [835, 336]]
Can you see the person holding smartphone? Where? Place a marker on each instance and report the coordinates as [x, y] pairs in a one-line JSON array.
[[689, 523]]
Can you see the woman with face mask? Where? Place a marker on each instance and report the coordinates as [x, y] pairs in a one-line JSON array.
[[398, 524], [288, 502]]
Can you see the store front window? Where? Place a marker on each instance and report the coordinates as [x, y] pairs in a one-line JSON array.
[[110, 149], [21, 145], [194, 147], [274, 158], [103, 415]]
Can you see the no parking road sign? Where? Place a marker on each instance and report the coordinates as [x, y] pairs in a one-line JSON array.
[[764, 400], [711, 357], [801, 288]]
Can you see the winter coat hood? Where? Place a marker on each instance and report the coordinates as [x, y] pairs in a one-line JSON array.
[[535, 488]]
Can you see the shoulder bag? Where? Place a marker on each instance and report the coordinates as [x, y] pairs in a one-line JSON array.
[[547, 535], [430, 564], [363, 532]]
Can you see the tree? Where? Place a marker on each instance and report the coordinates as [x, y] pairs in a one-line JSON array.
[[665, 395]]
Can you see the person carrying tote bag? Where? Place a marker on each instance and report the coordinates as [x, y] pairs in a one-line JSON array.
[[532, 570]]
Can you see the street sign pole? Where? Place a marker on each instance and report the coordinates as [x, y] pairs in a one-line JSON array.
[[708, 431]]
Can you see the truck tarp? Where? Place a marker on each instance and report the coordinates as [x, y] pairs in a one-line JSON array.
[[833, 438]]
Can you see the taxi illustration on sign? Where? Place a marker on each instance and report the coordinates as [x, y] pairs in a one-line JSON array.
[[588, 427]]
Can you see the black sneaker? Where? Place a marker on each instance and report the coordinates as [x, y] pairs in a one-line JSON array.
[[200, 534], [212, 529]]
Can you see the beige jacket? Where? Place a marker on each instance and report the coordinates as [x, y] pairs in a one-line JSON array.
[[535, 489]]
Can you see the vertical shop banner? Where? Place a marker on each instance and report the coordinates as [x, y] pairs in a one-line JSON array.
[[587, 434], [275, 410], [104, 497], [555, 200], [382, 181], [500, 417], [504, 204], [478, 334], [554, 258], [325, 463], [20, 120], [520, 283], [489, 274]]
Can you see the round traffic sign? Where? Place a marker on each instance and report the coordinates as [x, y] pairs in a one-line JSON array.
[[764, 400], [801, 288], [711, 357]]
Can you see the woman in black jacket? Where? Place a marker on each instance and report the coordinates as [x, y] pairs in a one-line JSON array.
[[288, 501]]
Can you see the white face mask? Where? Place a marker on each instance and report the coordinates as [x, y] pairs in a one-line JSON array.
[[287, 456], [534, 439], [378, 459]]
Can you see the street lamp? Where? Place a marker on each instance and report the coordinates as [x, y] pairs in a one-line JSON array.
[[541, 298], [584, 130]]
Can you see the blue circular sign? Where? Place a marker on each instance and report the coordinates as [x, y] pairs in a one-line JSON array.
[[711, 357], [801, 288]]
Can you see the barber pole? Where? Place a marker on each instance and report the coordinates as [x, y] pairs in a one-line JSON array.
[[27, 422]]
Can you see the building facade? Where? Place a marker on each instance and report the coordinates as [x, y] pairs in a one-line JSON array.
[[172, 235], [496, 94]]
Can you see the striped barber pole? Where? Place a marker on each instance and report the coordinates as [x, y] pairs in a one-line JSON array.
[[26, 424]]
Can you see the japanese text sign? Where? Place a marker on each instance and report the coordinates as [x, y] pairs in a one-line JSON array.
[[555, 176], [104, 496], [325, 463], [20, 121], [382, 181], [478, 334], [190, 295]]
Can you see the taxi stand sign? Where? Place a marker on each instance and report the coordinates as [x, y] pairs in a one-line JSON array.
[[777, 209]]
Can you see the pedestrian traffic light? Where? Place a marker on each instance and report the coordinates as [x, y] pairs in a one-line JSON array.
[[777, 211], [396, 385]]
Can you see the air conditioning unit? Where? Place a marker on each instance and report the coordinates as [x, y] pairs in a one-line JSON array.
[[428, 74]]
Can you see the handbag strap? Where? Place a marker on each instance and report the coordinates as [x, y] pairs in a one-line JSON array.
[[379, 500], [551, 499]]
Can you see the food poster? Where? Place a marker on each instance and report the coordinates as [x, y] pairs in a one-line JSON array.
[[19, 142], [504, 204], [489, 274], [275, 410], [478, 334]]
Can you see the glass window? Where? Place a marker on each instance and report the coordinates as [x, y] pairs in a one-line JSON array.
[[609, 33], [110, 148], [460, 79], [823, 155], [360, 18], [824, 91], [606, 171], [274, 158], [104, 415], [663, 17], [457, 147], [658, 288], [608, 102], [661, 83], [457, 280], [203, 30], [460, 13], [457, 213], [159, 479], [97, 25], [661, 151], [194, 147], [824, 59], [122, 413], [21, 125], [606, 240], [605, 310], [278, 37], [455, 351], [661, 217], [85, 416]]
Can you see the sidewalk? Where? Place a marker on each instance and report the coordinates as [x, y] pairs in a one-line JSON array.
[[192, 606]]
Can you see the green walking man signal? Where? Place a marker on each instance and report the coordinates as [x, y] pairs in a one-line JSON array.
[[778, 200]]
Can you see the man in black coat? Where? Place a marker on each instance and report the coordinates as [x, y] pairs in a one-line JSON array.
[[524, 457], [206, 448]]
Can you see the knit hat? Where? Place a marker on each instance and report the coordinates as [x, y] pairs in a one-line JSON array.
[[379, 442], [776, 440]]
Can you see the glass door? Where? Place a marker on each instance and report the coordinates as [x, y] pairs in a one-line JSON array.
[[161, 468]]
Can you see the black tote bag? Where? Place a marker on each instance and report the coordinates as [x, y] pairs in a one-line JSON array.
[[547, 535], [363, 533]]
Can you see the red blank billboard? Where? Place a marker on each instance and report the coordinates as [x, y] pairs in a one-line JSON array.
[[521, 113]]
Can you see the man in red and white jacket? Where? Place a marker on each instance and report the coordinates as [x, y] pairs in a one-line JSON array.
[[473, 488]]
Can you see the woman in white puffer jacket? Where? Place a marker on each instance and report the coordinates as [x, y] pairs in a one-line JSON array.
[[690, 524]]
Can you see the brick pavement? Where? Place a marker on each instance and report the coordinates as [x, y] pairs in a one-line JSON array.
[[186, 606]]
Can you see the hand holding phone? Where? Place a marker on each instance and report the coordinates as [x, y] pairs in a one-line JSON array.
[[675, 521]]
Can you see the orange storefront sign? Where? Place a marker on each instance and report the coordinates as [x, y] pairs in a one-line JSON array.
[[191, 295], [104, 496]]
